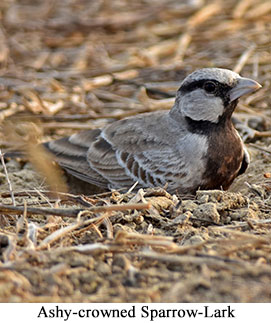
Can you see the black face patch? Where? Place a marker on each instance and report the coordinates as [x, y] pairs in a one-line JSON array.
[[220, 90], [201, 127]]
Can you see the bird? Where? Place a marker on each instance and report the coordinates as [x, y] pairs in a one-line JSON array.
[[192, 146]]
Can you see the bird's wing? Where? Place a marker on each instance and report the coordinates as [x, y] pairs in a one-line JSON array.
[[70, 153], [129, 150], [137, 149]]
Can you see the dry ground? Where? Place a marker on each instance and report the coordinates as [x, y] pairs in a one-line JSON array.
[[77, 64]]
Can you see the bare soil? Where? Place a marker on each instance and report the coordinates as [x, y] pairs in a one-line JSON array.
[[71, 65]]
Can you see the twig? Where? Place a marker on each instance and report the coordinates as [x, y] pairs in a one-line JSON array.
[[67, 125], [209, 260], [73, 213], [7, 177], [262, 134], [243, 59], [4, 114], [260, 148], [81, 199], [241, 8], [180, 260]]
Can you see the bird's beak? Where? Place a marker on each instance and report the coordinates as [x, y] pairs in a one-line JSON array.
[[243, 86]]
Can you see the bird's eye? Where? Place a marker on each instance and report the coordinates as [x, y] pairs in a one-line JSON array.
[[209, 87]]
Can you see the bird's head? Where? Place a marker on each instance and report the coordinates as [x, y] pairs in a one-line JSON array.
[[209, 94]]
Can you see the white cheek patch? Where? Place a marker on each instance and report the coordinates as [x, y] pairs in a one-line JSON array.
[[200, 106]]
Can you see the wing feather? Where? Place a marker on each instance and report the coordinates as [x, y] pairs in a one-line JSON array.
[[129, 150], [133, 150], [70, 153]]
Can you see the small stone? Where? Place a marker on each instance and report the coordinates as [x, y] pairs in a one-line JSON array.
[[209, 196], [103, 268], [195, 239], [119, 260], [208, 212], [4, 241], [203, 199], [128, 218], [182, 218], [188, 205], [138, 219], [12, 166]]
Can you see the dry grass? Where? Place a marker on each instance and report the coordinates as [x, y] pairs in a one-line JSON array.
[[72, 65]]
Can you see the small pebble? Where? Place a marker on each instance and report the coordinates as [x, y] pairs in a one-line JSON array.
[[208, 212]]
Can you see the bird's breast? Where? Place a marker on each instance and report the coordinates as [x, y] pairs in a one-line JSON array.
[[224, 158]]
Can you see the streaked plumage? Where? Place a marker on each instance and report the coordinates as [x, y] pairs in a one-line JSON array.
[[194, 145]]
